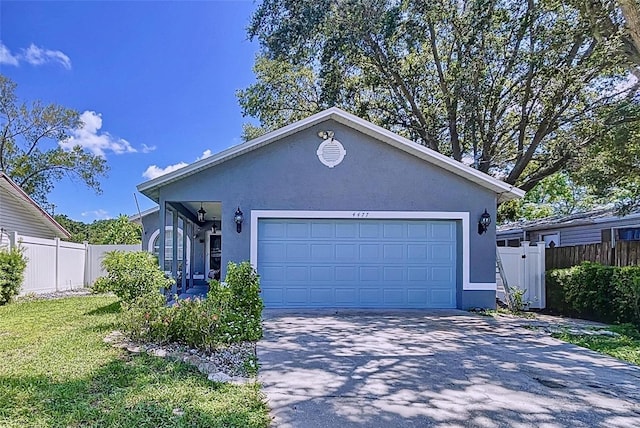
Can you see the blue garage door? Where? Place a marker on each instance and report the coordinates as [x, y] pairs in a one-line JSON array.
[[357, 263]]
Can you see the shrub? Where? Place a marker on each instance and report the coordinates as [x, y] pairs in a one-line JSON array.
[[131, 275], [12, 266], [597, 292], [232, 312], [146, 318]]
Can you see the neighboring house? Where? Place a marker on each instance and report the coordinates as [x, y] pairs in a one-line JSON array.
[[601, 225], [19, 213], [333, 211]]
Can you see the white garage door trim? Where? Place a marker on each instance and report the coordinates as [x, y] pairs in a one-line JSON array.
[[463, 217]]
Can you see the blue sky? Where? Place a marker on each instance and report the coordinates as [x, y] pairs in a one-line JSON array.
[[155, 82]]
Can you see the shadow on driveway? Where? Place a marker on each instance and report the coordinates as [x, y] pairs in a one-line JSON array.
[[435, 368]]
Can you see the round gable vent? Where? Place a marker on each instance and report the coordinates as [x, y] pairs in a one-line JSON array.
[[331, 152]]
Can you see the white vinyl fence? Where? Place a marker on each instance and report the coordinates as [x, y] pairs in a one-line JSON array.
[[55, 265], [524, 268]]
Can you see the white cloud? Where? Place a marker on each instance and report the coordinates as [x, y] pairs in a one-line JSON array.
[[6, 57], [147, 149], [205, 154], [154, 171], [90, 137], [98, 214], [34, 55]]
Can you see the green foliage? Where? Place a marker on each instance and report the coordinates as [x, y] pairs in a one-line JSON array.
[[556, 194], [12, 266], [24, 156], [625, 346], [102, 232], [56, 371], [231, 313], [131, 275], [597, 292], [518, 304], [518, 89]]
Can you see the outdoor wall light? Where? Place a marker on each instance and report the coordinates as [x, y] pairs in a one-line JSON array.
[[484, 222], [238, 217], [201, 213], [326, 135]]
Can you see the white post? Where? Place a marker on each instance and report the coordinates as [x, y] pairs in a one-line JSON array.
[[57, 278], [87, 261], [13, 240]]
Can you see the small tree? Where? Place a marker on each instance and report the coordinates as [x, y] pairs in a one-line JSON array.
[[131, 275]]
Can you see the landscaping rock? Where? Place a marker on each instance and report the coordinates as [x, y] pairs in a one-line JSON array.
[[224, 364], [219, 377]]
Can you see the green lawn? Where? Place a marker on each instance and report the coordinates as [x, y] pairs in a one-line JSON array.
[[625, 347], [55, 371]]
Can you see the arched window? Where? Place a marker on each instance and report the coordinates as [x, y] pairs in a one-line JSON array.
[[154, 247]]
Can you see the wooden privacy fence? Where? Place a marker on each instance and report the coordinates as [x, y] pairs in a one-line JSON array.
[[625, 253]]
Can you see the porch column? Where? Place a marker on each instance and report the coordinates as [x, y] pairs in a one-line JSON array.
[[161, 236], [174, 249]]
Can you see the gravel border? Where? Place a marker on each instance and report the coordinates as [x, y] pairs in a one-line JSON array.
[[226, 364]]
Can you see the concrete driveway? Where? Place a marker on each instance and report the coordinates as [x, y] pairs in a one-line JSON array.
[[435, 368]]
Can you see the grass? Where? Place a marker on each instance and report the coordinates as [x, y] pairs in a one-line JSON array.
[[55, 371], [625, 347]]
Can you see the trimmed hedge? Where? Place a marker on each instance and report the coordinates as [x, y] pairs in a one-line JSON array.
[[609, 294], [12, 266]]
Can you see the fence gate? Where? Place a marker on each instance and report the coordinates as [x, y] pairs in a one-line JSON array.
[[524, 268]]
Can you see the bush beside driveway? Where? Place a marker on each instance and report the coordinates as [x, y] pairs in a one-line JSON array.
[[436, 368]]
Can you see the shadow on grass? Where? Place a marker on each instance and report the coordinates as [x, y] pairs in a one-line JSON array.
[[113, 308], [140, 391]]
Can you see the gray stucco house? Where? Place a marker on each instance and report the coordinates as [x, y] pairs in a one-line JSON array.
[[333, 211], [590, 227]]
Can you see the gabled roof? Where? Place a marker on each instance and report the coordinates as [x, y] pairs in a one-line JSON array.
[[137, 217], [31, 206], [595, 216], [504, 191]]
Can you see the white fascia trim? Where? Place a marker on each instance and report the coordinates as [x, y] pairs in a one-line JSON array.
[[463, 217], [505, 191], [481, 286]]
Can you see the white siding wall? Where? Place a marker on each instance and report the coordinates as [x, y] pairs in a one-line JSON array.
[[15, 218]]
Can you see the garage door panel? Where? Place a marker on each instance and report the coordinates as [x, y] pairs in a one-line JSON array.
[[369, 230], [394, 231], [322, 230], [297, 274], [296, 296], [346, 296], [346, 273], [369, 273], [346, 230], [370, 296], [322, 273], [395, 274], [444, 231], [321, 295], [357, 263], [322, 252], [393, 251], [298, 251], [440, 297], [346, 252]]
